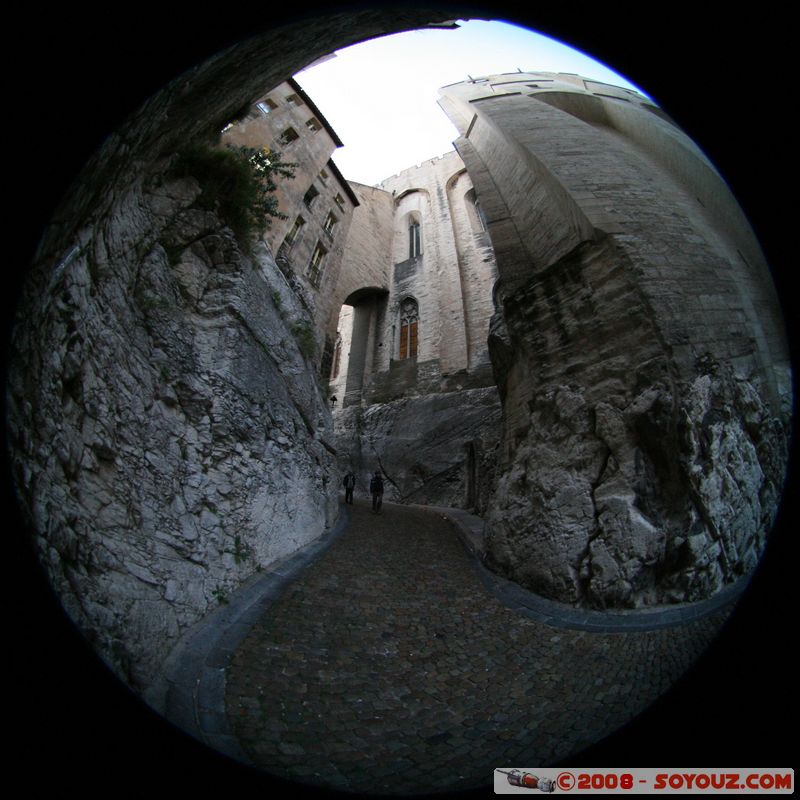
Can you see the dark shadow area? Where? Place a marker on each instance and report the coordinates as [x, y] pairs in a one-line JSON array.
[[73, 725]]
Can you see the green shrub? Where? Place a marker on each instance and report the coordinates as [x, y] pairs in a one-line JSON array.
[[305, 339], [237, 183], [220, 595]]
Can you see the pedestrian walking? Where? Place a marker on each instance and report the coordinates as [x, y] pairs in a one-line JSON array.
[[376, 490], [349, 485]]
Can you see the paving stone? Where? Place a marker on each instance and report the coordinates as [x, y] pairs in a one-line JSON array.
[[369, 666]]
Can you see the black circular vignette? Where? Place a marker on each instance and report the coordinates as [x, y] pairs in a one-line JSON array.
[[73, 725]]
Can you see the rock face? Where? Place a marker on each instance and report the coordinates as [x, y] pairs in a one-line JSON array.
[[638, 347], [626, 485], [436, 449], [168, 435]]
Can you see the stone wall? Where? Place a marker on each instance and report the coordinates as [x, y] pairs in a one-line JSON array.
[[435, 277], [639, 350], [477, 267], [165, 431], [451, 280], [168, 436], [313, 169], [437, 449], [160, 405], [623, 484]]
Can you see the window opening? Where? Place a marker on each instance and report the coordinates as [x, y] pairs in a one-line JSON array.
[[310, 196], [294, 100], [409, 322], [339, 201], [289, 135], [315, 265], [291, 237], [414, 240], [313, 124], [330, 222]]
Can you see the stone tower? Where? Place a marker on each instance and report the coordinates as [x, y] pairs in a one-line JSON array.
[[638, 346], [412, 369]]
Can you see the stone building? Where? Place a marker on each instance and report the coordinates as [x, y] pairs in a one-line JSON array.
[[318, 202], [428, 328], [158, 441], [399, 279], [638, 346], [412, 370], [576, 258], [565, 325]]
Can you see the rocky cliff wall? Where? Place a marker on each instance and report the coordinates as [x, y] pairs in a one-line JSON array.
[[437, 449], [624, 481], [168, 437], [639, 352]]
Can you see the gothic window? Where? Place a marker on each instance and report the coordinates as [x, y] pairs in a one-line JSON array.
[[409, 321], [414, 239]]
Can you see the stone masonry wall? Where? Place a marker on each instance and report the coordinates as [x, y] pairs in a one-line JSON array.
[[433, 278], [365, 264], [477, 266], [644, 381], [621, 483], [310, 152]]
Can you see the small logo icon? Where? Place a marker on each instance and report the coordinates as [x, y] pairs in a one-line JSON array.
[[565, 781], [528, 780]]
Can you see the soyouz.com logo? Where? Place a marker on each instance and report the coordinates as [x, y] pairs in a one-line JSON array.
[[644, 781]]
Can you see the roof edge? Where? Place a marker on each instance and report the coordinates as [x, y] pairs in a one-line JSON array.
[[344, 182], [315, 109]]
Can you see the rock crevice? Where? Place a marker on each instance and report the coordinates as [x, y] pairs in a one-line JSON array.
[[167, 435], [624, 482]]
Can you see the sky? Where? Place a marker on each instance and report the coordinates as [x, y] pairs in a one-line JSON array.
[[381, 96]]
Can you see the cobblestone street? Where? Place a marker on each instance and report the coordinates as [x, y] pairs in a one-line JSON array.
[[388, 667]]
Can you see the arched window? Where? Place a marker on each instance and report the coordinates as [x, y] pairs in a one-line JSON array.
[[475, 213], [409, 321], [414, 237], [337, 357]]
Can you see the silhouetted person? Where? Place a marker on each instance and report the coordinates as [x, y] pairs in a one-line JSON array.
[[376, 489], [349, 485]]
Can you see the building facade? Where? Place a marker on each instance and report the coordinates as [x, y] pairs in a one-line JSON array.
[[318, 203], [639, 346], [419, 322], [566, 323]]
